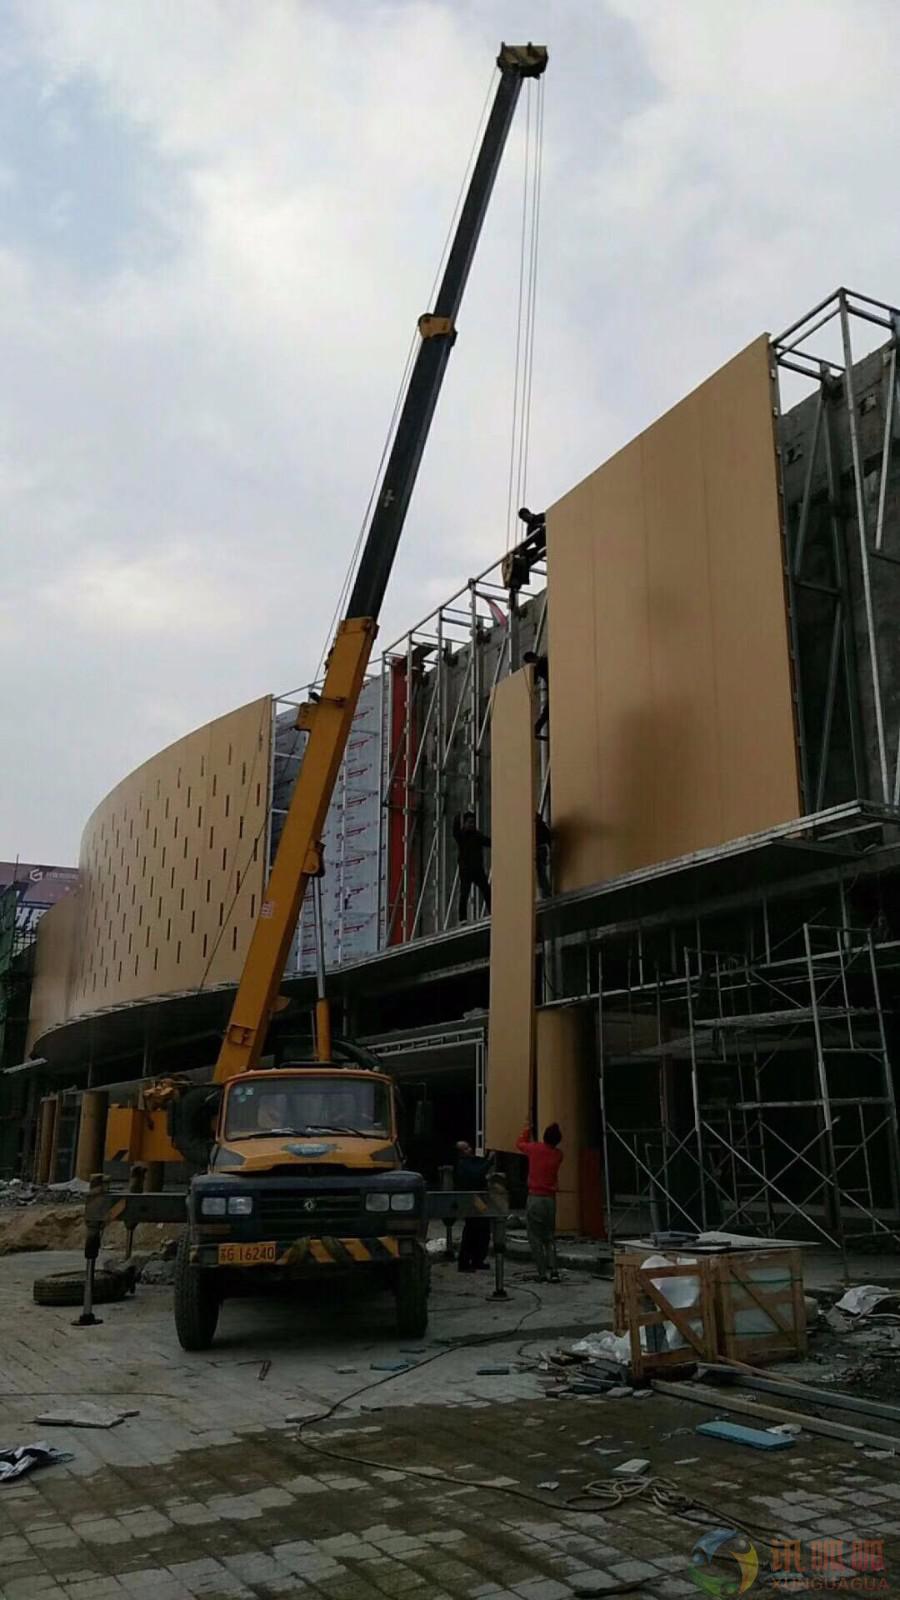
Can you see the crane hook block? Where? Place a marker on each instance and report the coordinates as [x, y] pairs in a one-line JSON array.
[[314, 861], [528, 59], [432, 327]]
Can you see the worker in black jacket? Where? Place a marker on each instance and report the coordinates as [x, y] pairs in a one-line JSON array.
[[471, 1173], [470, 847]]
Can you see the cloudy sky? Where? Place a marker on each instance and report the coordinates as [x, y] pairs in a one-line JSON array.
[[218, 223]]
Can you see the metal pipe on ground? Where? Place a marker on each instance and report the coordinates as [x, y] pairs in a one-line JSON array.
[[793, 1390], [721, 1400]]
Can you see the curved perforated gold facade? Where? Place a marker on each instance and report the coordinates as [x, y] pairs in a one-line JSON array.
[[172, 869]]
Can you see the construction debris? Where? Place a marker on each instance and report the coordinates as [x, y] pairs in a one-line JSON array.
[[84, 1415], [866, 1298], [755, 1438], [15, 1192], [26, 1457], [747, 1406]]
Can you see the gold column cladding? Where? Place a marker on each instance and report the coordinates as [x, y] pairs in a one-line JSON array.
[[563, 1096], [511, 1024]]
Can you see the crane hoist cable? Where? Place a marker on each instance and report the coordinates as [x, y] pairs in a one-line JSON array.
[[513, 443], [407, 371], [527, 304], [535, 241]]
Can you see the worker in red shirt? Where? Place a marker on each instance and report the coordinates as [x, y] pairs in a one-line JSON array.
[[544, 1161]]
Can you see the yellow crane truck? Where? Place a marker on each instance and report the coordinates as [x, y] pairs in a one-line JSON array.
[[303, 1168]]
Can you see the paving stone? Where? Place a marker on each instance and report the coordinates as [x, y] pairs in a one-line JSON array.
[[542, 1589], [93, 1589], [628, 1570], [22, 1587]]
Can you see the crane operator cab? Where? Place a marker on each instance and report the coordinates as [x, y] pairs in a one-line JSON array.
[[305, 1181]]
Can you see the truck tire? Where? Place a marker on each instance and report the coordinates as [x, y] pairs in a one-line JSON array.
[[197, 1301], [411, 1291], [67, 1288]]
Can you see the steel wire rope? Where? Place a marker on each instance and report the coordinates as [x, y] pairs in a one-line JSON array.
[[520, 434], [519, 318], [533, 272], [404, 381]]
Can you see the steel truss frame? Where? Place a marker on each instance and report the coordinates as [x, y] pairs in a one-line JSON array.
[[841, 556], [474, 1039], [436, 752]]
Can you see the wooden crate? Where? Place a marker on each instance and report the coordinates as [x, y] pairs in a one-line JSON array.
[[640, 1304], [781, 1303]]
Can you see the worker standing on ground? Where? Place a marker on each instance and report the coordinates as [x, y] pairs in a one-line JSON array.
[[470, 1175], [544, 1161], [471, 844], [542, 676]]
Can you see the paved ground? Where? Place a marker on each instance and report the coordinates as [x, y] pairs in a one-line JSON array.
[[425, 1483]]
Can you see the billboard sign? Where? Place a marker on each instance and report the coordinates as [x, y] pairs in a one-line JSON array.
[[36, 889]]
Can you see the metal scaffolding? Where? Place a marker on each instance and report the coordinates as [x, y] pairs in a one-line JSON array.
[[437, 689], [760, 1091], [840, 471]]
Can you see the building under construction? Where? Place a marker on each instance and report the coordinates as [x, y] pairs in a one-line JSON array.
[[706, 999]]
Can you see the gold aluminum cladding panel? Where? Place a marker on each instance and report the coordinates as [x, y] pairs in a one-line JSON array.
[[671, 711], [172, 872]]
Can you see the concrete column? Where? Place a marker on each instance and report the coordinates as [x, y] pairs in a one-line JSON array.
[[54, 1140], [45, 1138], [91, 1134]]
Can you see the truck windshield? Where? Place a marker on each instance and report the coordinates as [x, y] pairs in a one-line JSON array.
[[295, 1105]]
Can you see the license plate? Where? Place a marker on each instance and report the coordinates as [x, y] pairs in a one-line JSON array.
[[246, 1255]]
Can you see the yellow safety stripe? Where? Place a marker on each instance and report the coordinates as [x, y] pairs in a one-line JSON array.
[[357, 1249], [331, 1252]]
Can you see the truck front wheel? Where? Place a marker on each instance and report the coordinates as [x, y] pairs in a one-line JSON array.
[[411, 1290], [197, 1301]]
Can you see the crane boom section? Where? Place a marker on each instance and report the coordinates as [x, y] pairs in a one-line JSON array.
[[330, 718], [298, 856]]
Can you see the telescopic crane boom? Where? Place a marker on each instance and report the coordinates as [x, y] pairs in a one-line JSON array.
[[328, 719]]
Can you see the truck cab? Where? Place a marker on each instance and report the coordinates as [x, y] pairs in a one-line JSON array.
[[305, 1182]]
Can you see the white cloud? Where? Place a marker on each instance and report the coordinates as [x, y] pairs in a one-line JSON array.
[[171, 592], [284, 174]]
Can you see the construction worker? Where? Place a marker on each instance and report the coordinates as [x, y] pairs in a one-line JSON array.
[[471, 1174], [470, 847], [544, 1161], [543, 839], [542, 676]]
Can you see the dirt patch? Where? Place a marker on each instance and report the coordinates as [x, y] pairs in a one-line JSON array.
[[62, 1228]]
